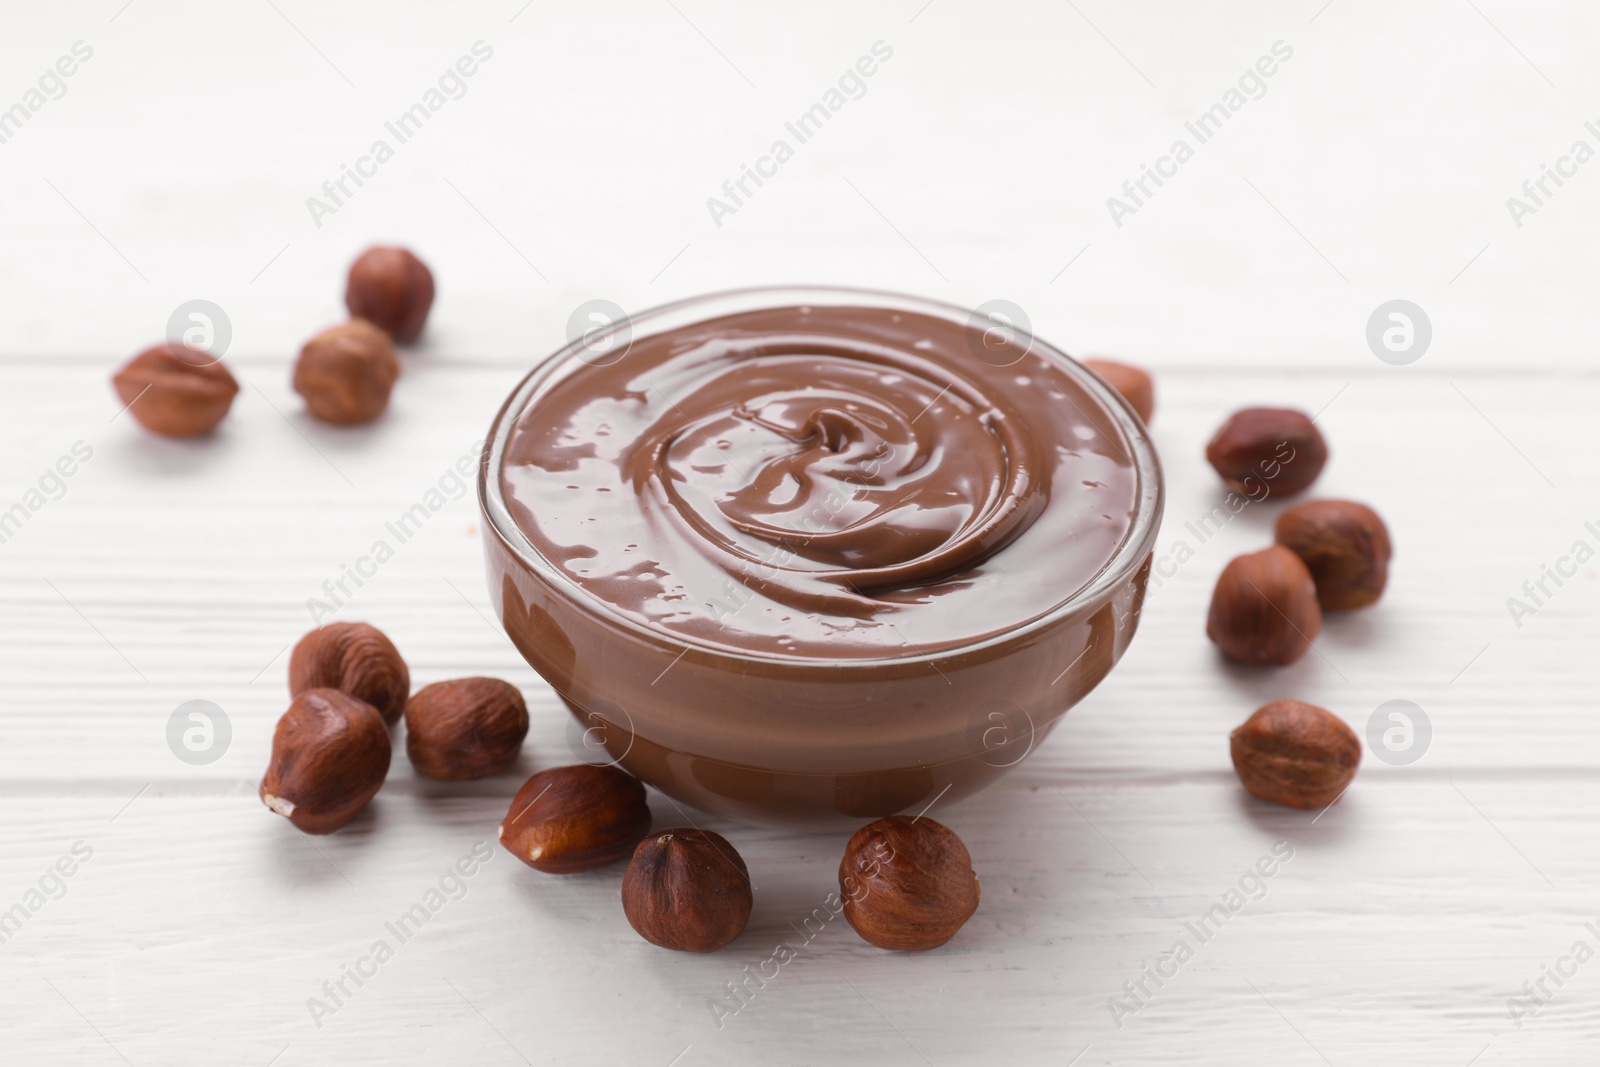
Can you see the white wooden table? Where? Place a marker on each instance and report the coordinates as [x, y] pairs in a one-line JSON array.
[[976, 165]]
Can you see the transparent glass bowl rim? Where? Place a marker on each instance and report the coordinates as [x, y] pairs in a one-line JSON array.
[[1130, 554]]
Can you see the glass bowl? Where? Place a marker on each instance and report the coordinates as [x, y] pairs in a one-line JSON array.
[[808, 741]]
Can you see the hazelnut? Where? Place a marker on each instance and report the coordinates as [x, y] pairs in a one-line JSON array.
[[1278, 448], [467, 728], [330, 753], [1295, 754], [1132, 383], [346, 373], [393, 289], [1264, 609], [353, 658], [1344, 545], [907, 884], [175, 390], [687, 890], [577, 818]]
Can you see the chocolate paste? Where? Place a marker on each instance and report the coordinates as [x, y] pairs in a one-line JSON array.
[[822, 482]]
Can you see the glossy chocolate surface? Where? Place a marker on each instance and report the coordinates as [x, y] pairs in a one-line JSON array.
[[835, 482]]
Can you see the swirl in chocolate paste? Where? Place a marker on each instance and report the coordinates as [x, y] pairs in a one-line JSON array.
[[813, 467], [822, 481]]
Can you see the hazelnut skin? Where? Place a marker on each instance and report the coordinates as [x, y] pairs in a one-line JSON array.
[[907, 884], [1344, 545], [1134, 384], [353, 658], [330, 754], [687, 890], [1264, 609], [346, 373], [175, 390], [1295, 754], [577, 818], [1280, 448], [391, 288], [465, 729]]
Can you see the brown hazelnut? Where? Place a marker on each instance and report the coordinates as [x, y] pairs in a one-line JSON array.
[[347, 372], [466, 728], [393, 289], [577, 818], [687, 890], [1278, 449], [1264, 609], [353, 658], [1344, 545], [330, 754], [1132, 383], [175, 390], [907, 884], [1295, 754]]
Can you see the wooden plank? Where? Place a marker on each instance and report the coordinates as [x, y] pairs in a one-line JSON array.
[[204, 924]]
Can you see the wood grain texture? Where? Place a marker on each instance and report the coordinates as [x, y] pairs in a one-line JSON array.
[[201, 926], [976, 165], [1418, 905]]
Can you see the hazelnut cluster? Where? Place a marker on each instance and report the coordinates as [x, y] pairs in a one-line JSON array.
[[345, 373], [904, 884], [1267, 607], [1330, 555], [349, 685]]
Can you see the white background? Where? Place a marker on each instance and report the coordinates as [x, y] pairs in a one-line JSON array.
[[976, 166]]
